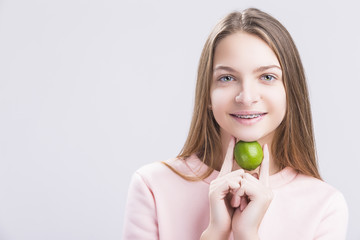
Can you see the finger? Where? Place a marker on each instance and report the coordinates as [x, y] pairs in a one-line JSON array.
[[250, 185], [220, 189], [243, 203], [237, 173], [235, 200], [227, 183], [228, 161], [233, 185], [264, 168], [250, 177]]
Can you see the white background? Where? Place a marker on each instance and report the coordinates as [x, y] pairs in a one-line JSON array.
[[92, 90]]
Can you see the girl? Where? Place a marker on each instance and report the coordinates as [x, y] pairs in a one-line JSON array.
[[250, 86]]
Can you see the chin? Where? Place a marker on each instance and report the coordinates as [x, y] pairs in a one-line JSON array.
[[247, 138]]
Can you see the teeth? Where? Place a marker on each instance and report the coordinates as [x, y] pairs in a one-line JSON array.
[[248, 116]]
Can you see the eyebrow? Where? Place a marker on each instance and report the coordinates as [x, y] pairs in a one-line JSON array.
[[264, 68], [259, 69]]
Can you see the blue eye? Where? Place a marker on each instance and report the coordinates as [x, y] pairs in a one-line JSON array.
[[226, 79], [268, 78]]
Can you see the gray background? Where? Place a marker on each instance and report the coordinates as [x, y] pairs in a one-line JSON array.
[[92, 90]]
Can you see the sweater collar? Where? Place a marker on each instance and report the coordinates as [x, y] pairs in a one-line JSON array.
[[283, 177]]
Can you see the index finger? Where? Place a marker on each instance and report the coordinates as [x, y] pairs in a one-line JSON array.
[[264, 168], [228, 161]]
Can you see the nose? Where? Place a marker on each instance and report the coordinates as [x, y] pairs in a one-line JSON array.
[[248, 94]]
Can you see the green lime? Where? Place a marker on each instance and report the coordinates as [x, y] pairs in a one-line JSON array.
[[248, 155]]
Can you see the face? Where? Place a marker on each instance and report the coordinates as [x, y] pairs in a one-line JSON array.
[[248, 97]]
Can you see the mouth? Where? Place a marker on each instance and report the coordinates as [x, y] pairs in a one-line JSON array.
[[248, 115], [248, 118]]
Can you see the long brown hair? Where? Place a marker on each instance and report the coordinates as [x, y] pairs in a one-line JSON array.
[[293, 144]]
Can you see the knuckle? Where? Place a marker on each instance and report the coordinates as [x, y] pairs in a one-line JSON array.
[[228, 182], [247, 175]]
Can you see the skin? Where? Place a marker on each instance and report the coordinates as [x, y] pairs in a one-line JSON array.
[[238, 86], [243, 81]]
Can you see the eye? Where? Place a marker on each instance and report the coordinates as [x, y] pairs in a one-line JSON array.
[[268, 78], [226, 78]]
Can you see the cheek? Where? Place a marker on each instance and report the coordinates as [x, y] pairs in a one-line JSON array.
[[279, 102], [217, 99], [219, 103]]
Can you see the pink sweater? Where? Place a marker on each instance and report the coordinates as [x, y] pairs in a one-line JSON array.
[[162, 205]]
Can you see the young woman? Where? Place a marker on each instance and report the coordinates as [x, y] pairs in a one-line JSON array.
[[250, 86]]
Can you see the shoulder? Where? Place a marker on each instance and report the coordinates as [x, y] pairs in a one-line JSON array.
[[161, 172], [152, 169], [307, 190], [322, 193], [328, 204], [148, 180], [313, 184], [315, 204], [161, 168], [151, 172], [173, 167]]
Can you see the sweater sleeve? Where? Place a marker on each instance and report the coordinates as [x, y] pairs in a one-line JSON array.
[[334, 223], [140, 213]]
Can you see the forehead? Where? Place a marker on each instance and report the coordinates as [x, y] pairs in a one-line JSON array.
[[244, 51]]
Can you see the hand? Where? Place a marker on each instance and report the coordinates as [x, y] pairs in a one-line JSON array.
[[252, 199], [220, 194]]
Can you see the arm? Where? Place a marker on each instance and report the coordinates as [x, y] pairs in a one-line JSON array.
[[334, 224], [220, 191], [140, 215], [212, 234]]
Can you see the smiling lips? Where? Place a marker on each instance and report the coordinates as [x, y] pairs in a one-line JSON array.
[[248, 118]]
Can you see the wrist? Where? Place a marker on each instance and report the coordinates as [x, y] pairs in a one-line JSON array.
[[246, 236], [211, 233]]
